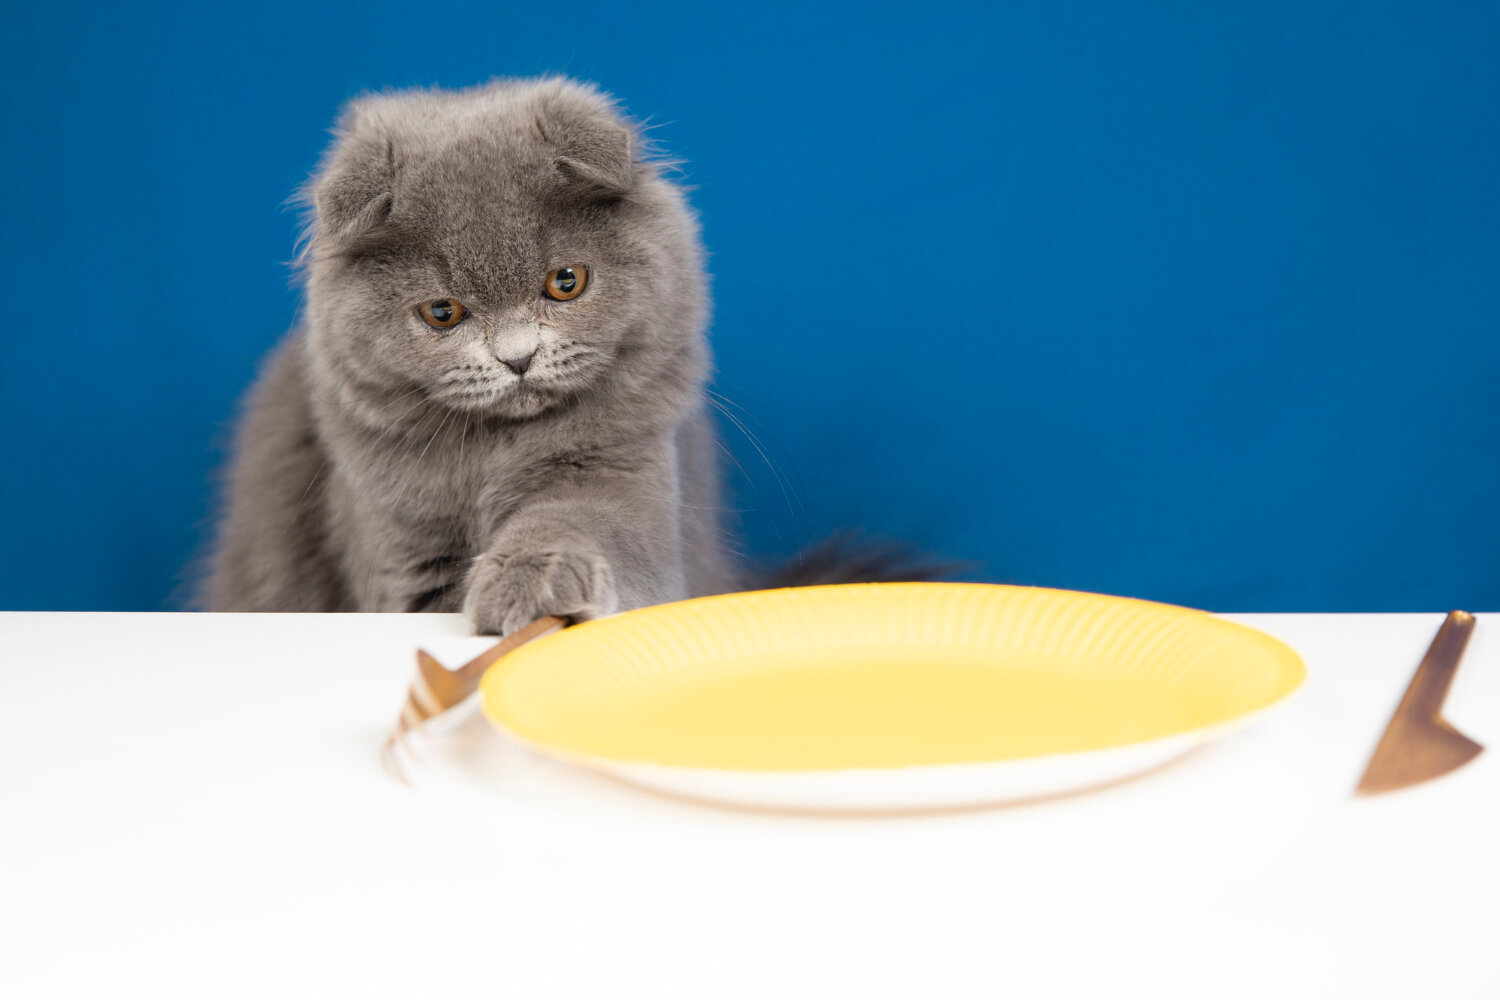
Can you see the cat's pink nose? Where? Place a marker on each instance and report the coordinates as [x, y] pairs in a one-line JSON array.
[[520, 364]]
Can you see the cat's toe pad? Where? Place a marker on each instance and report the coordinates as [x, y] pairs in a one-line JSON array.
[[508, 590]]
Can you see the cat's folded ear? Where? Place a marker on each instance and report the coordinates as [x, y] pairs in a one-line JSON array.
[[353, 190], [595, 150]]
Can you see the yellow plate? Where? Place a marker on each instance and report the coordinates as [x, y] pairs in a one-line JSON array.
[[887, 695]]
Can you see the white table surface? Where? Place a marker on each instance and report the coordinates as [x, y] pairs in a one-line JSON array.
[[192, 806]]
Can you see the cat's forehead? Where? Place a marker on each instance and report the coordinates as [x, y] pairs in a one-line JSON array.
[[488, 202], [493, 154], [464, 161], [509, 135]]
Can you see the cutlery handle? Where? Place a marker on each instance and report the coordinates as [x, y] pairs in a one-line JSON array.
[[1429, 686], [473, 670]]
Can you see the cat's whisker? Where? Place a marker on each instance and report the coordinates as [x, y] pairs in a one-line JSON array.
[[710, 391], [754, 488], [397, 420], [782, 478], [787, 490], [375, 388], [746, 475], [434, 436], [409, 471], [399, 398], [314, 479], [414, 432]]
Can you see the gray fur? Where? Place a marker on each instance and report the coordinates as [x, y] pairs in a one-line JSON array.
[[383, 465]]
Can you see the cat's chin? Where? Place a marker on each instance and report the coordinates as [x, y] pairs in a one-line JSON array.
[[512, 402]]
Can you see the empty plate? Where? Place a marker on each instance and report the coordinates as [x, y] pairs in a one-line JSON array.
[[887, 696]]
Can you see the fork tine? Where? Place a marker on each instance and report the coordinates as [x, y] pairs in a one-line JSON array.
[[436, 689]]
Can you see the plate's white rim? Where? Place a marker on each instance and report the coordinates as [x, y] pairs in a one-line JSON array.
[[920, 786]]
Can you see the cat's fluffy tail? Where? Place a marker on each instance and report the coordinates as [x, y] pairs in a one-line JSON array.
[[848, 557]]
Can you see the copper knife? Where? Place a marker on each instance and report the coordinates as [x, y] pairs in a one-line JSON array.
[[1418, 744]]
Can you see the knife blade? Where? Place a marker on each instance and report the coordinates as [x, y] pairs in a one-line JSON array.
[[1418, 744]]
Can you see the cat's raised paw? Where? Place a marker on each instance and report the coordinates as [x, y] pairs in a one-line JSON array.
[[508, 590]]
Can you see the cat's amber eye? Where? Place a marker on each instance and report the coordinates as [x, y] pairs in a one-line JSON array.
[[441, 313], [566, 283]]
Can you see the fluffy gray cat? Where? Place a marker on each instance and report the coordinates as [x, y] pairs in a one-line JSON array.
[[495, 400]]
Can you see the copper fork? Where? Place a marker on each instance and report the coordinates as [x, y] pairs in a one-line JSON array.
[[436, 689]]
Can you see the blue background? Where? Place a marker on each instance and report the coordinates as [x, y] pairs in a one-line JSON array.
[[1193, 302]]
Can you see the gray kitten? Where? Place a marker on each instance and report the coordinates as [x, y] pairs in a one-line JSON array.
[[496, 399]]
